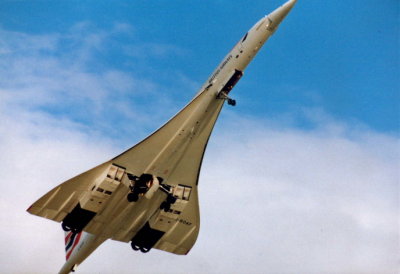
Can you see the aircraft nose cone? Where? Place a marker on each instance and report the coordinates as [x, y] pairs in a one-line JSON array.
[[280, 13]]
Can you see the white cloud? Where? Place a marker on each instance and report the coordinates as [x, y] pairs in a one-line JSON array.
[[63, 75], [318, 201], [274, 199]]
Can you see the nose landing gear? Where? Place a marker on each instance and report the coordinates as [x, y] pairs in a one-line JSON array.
[[231, 102], [222, 95]]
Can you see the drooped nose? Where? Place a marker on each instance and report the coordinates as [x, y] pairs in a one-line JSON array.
[[280, 13]]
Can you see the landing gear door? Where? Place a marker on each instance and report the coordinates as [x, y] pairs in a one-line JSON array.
[[232, 81]]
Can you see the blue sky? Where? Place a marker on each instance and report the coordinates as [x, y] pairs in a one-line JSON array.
[[338, 57], [315, 133]]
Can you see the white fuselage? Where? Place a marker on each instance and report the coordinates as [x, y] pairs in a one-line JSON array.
[[86, 245], [208, 103]]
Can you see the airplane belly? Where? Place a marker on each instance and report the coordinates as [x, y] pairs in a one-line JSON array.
[[148, 194], [137, 216], [120, 220], [102, 207], [170, 158]]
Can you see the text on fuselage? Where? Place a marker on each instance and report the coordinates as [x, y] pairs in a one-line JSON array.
[[220, 68]]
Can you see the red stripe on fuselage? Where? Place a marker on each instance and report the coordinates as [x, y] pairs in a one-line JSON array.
[[78, 236], [67, 237]]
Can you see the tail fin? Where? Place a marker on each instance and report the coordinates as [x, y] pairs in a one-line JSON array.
[[71, 241]]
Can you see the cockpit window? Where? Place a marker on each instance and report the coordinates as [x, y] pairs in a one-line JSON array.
[[244, 38]]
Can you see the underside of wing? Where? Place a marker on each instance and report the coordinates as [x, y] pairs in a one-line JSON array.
[[174, 152], [182, 236], [61, 200], [174, 230], [96, 201]]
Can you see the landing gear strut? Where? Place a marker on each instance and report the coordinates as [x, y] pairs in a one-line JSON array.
[[166, 205], [222, 95], [139, 187]]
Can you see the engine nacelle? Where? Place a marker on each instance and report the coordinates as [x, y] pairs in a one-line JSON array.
[[163, 219], [103, 188], [94, 199]]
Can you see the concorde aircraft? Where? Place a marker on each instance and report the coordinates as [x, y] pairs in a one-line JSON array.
[[148, 194]]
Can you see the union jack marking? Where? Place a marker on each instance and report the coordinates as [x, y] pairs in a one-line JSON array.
[[71, 241]]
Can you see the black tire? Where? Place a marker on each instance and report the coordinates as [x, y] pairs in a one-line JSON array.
[[132, 197], [231, 102], [163, 205], [145, 177], [144, 249], [171, 199], [134, 246], [166, 207], [65, 228]]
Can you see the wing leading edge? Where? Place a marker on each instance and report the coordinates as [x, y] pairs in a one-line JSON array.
[[174, 153], [148, 195]]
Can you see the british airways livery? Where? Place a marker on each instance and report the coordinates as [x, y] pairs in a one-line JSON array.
[[148, 194]]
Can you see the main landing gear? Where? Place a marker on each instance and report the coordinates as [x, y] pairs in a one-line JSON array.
[[141, 248], [166, 205], [77, 219], [140, 185], [146, 238], [68, 229]]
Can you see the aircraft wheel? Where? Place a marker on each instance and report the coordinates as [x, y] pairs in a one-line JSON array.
[[171, 199], [144, 250], [134, 246], [65, 228], [166, 206], [132, 197], [231, 102]]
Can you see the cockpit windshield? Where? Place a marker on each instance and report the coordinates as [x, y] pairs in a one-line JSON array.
[[244, 38]]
